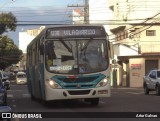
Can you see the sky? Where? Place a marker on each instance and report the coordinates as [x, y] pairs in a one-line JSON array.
[[37, 11]]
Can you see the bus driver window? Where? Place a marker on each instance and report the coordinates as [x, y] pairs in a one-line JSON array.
[[50, 53]]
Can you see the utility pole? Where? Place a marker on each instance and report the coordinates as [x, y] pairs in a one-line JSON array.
[[86, 10]]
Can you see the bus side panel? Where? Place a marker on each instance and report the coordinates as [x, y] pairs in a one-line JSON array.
[[32, 74], [42, 80], [37, 82], [28, 80]]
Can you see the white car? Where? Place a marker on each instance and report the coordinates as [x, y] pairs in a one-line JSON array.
[[151, 82], [21, 78]]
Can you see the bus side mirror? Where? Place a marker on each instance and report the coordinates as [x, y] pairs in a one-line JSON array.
[[42, 49]]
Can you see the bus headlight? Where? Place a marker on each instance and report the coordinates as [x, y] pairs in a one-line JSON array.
[[53, 84], [103, 83]]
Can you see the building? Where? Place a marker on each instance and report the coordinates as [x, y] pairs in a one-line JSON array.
[[78, 16], [137, 28], [25, 38]]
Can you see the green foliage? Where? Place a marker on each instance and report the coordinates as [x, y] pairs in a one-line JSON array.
[[7, 22], [9, 52]]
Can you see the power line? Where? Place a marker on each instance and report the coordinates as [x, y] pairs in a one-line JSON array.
[[109, 22], [51, 12], [147, 19], [121, 41], [148, 24]]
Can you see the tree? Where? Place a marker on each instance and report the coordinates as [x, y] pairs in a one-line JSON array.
[[7, 22], [9, 52]]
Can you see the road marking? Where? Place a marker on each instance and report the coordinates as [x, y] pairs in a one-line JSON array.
[[15, 90], [13, 85], [135, 93], [101, 102], [12, 80], [26, 95], [114, 92], [14, 106], [9, 95]]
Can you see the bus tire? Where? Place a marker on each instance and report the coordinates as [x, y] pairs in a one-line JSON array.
[[146, 90], [5, 101], [44, 102], [32, 97], [158, 90]]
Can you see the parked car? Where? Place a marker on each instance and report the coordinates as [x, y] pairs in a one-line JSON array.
[[5, 79], [21, 78], [3, 93], [151, 82], [12, 76]]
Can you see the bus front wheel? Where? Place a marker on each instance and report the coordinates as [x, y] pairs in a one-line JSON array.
[[32, 97]]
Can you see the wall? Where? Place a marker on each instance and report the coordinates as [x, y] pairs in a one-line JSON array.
[[124, 50], [27, 36], [150, 44], [137, 71], [24, 40], [139, 8]]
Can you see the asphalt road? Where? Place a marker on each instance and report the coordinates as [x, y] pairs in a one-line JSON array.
[[122, 100]]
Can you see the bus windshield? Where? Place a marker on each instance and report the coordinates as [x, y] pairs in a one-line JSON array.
[[68, 56]]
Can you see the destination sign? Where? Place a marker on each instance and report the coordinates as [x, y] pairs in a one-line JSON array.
[[75, 32]]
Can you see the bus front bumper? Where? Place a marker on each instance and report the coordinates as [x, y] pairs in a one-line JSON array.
[[60, 94]]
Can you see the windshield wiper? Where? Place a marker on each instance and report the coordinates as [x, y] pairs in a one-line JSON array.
[[86, 45], [68, 48]]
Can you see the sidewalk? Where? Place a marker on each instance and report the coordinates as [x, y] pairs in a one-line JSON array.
[[120, 87]]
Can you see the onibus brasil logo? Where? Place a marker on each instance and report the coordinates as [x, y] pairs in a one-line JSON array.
[[21, 115]]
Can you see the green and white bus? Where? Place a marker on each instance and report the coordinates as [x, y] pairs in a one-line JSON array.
[[69, 62]]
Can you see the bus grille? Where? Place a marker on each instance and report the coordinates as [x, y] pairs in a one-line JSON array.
[[78, 80], [82, 86], [79, 92]]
